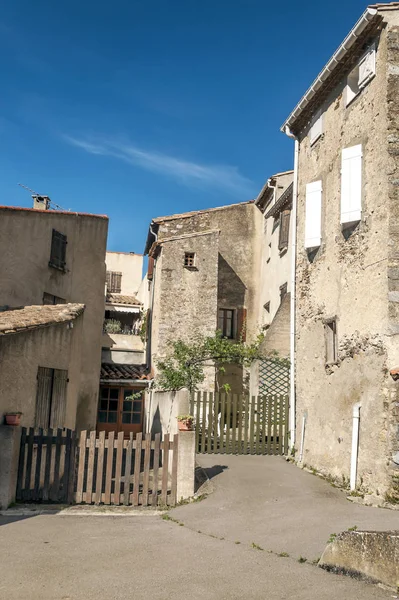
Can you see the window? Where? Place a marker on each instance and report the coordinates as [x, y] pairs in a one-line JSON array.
[[360, 76], [226, 322], [58, 250], [330, 328], [316, 128], [114, 282], [108, 408], [267, 307], [51, 398], [313, 215], [132, 408], [50, 299], [283, 292], [284, 229], [351, 184], [189, 259]]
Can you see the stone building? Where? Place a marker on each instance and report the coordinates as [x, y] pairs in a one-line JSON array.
[[53, 257], [203, 273], [123, 370], [347, 269], [275, 280]]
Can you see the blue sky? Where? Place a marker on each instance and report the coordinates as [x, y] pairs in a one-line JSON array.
[[138, 109]]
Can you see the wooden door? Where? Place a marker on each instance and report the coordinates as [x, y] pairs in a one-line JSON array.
[[120, 409]]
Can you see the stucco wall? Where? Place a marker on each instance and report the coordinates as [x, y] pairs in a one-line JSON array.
[[25, 243], [131, 267], [346, 278], [56, 347]]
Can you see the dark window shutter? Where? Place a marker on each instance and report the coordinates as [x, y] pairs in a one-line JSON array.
[[58, 250], [242, 324], [43, 397], [59, 397], [114, 282], [150, 271], [284, 229]]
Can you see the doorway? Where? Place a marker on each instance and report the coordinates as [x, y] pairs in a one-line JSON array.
[[120, 408]]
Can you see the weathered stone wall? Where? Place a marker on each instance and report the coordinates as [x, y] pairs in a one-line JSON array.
[[347, 279], [25, 243]]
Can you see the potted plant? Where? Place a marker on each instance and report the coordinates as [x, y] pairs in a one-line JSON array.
[[185, 422], [13, 417]]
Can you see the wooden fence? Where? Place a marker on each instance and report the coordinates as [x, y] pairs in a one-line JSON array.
[[97, 469], [238, 424], [46, 465], [131, 472]]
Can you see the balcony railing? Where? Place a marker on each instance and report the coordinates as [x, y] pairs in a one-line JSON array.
[[112, 326]]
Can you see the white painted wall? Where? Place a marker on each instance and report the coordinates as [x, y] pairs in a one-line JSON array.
[[131, 267]]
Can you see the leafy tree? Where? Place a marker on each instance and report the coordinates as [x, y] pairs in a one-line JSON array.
[[184, 366]]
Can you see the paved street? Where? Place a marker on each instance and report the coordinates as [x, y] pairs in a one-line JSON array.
[[59, 557]]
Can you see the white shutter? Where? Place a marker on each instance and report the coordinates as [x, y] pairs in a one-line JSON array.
[[317, 127], [351, 184], [366, 67], [313, 215]]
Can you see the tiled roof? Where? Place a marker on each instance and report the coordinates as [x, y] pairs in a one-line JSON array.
[[121, 299], [32, 317], [50, 212], [111, 372]]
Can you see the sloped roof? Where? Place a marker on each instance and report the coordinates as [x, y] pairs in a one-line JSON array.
[[26, 318], [110, 372], [122, 299]]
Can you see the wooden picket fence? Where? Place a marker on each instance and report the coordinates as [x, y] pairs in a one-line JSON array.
[[46, 465], [97, 469], [239, 424], [130, 472]]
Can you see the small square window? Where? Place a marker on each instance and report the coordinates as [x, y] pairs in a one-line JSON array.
[[189, 259], [330, 328]]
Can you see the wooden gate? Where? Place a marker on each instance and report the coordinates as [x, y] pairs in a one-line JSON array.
[[97, 469], [132, 472], [46, 465], [237, 424]]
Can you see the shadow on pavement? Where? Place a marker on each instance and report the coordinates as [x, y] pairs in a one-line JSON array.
[[215, 470]]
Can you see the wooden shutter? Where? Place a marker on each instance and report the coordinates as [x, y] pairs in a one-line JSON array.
[[148, 325], [366, 67], [317, 127], [150, 270], [242, 324], [116, 282], [59, 397], [108, 280], [284, 229], [351, 184], [313, 215], [43, 397], [58, 250]]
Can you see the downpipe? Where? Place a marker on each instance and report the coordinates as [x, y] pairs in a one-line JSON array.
[[355, 444]]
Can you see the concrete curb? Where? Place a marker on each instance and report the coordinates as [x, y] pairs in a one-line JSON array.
[[370, 555], [81, 511]]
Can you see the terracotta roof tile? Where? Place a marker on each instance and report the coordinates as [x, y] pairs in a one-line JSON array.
[[122, 299], [32, 317], [111, 372]]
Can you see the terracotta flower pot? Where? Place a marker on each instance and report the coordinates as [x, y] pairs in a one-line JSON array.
[[13, 419], [185, 425]]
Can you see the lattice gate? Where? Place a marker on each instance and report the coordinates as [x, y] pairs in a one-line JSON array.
[[274, 377]]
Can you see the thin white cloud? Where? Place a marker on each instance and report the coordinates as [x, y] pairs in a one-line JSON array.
[[189, 173]]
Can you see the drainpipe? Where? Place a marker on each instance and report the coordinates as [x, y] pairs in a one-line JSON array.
[[355, 443], [292, 291], [150, 392]]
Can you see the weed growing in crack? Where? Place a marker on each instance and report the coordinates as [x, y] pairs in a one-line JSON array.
[[256, 547], [283, 554], [302, 559]]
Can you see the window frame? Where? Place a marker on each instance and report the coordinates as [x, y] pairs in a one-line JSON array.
[[284, 217], [350, 92], [331, 341], [316, 127], [223, 329], [113, 280]]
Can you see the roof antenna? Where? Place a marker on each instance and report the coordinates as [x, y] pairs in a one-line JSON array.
[[41, 202]]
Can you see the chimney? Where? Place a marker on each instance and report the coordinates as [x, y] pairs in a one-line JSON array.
[[41, 202]]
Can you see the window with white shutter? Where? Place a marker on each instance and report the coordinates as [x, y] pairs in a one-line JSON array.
[[316, 128], [313, 215], [360, 76], [351, 184]]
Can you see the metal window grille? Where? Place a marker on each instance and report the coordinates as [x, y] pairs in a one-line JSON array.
[[189, 259]]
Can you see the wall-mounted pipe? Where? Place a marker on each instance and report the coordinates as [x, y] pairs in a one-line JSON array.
[[302, 438], [355, 444]]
